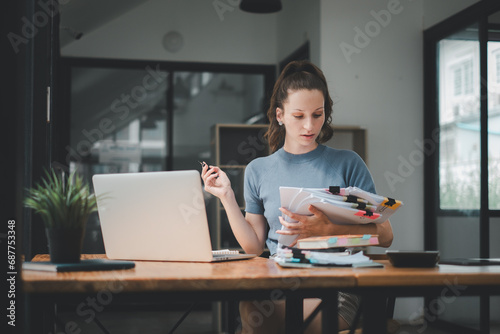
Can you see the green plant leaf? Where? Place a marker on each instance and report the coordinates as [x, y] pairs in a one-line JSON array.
[[62, 201]]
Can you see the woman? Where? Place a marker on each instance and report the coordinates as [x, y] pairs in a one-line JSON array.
[[300, 114]]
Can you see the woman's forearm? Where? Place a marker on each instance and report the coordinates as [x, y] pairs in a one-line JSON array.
[[246, 235]]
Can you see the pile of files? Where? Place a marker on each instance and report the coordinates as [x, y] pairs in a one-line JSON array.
[[343, 206], [298, 258]]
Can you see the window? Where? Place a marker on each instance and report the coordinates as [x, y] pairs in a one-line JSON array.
[[458, 81], [135, 116], [156, 116], [459, 123], [463, 78], [497, 57]]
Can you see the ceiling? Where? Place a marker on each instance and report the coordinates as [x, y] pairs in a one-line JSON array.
[[84, 16]]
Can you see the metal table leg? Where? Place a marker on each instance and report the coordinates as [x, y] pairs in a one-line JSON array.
[[294, 315], [374, 313]]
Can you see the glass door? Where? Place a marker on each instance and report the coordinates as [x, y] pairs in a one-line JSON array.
[[153, 117], [462, 136], [459, 111]]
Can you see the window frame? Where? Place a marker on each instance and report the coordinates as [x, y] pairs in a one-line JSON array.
[[477, 13], [432, 35], [62, 133]]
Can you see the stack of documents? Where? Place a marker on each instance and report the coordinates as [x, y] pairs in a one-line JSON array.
[[338, 241], [343, 206], [292, 257]]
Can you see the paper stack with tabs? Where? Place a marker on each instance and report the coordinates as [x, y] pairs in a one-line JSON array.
[[342, 206]]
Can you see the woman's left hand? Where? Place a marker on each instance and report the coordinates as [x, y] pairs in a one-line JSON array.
[[307, 226]]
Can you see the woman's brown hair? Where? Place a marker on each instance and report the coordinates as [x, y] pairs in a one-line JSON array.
[[297, 75]]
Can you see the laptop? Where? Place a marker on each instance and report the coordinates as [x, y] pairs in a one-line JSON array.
[[155, 216]]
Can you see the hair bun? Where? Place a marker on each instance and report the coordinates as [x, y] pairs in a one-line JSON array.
[[298, 66]]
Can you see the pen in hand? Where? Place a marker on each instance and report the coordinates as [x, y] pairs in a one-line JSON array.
[[203, 165]]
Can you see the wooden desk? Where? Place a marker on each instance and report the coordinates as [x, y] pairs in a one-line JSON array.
[[259, 279], [442, 283], [156, 282]]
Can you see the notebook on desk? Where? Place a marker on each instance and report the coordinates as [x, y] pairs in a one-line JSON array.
[[155, 216]]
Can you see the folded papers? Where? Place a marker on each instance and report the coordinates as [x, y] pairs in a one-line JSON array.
[[342, 206]]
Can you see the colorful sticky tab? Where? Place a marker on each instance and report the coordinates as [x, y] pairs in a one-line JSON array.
[[332, 240], [391, 203], [366, 236], [342, 241], [369, 215]]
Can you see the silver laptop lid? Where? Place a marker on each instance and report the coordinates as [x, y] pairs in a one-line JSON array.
[[153, 216]]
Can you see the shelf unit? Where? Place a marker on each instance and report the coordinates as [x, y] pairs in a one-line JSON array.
[[235, 145]]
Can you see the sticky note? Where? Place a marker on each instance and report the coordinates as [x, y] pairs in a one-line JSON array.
[[332, 240], [342, 242]]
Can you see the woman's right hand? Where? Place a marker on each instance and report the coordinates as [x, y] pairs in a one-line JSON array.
[[216, 181]]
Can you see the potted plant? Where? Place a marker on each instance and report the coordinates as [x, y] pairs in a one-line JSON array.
[[64, 203]]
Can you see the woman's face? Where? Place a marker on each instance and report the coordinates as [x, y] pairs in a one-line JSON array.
[[303, 116]]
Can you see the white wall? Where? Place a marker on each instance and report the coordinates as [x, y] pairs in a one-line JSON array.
[[436, 11], [298, 22]]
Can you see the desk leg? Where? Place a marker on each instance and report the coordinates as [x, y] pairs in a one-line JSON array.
[[329, 314], [374, 313], [40, 315], [231, 314], [294, 315]]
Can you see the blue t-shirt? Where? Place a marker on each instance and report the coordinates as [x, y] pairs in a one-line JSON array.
[[320, 168]]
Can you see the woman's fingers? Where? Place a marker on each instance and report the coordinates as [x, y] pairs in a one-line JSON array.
[[289, 214], [211, 179], [291, 226], [204, 168], [208, 173]]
